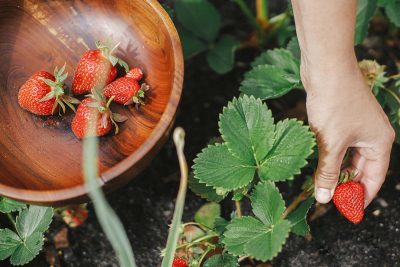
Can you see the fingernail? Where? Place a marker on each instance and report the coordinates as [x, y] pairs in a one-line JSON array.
[[323, 195]]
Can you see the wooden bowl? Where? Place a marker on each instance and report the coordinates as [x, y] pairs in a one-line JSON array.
[[40, 158]]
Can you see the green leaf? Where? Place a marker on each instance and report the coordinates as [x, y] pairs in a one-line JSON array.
[[9, 241], [298, 218], [191, 44], [294, 47], [204, 191], [28, 249], [8, 205], [32, 220], [247, 127], [217, 167], [266, 81], [221, 57], [365, 11], [220, 225], [207, 214], [293, 144], [267, 203], [280, 58], [199, 17], [392, 10], [249, 236], [222, 260]]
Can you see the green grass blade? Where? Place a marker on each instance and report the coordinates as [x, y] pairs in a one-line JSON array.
[[108, 219], [179, 135]]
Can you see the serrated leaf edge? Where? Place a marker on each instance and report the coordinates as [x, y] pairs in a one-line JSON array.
[[200, 181], [34, 255]]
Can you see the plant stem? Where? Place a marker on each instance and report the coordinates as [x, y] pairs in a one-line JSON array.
[[194, 242], [203, 256], [238, 209], [10, 217], [395, 76], [393, 94], [303, 195], [249, 15], [262, 12]]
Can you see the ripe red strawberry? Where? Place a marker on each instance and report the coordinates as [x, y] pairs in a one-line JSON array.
[[74, 215], [135, 73], [349, 200], [95, 107], [126, 91], [96, 68], [179, 262], [42, 93]]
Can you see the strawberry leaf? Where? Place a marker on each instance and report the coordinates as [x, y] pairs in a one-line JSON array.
[[207, 214], [191, 44], [8, 205], [293, 144], [28, 249], [221, 58], [267, 81], [298, 218], [34, 219], [203, 190], [392, 10], [280, 58], [199, 17], [261, 237], [247, 127], [9, 241], [294, 47], [365, 11], [222, 260], [217, 167]]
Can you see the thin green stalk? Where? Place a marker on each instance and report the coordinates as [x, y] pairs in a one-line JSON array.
[[203, 256], [238, 209], [11, 218], [249, 15], [179, 140], [108, 219], [393, 94], [262, 12], [196, 241]]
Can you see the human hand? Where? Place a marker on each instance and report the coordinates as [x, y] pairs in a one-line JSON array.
[[343, 113]]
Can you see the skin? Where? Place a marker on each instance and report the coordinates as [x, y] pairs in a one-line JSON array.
[[342, 111]]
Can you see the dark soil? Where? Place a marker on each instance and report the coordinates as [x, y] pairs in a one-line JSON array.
[[146, 205]]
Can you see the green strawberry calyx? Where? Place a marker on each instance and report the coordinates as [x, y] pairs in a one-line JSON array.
[[107, 50], [58, 92], [104, 108], [139, 97]]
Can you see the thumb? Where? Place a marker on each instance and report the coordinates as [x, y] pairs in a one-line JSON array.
[[327, 174]]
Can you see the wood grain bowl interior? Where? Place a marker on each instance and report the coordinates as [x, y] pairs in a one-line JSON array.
[[40, 158]]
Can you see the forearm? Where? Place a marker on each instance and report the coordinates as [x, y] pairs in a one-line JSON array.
[[325, 29]]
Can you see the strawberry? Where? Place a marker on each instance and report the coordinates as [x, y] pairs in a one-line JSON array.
[[96, 68], [126, 90], [74, 215], [135, 73], [349, 200], [179, 262], [42, 93], [95, 107]]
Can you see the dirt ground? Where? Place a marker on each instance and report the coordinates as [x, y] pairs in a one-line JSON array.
[[146, 205]]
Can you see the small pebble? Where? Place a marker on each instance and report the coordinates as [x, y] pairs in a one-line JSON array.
[[376, 212], [382, 202], [398, 187]]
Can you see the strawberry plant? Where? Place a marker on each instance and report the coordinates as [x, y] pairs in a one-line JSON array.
[[24, 241], [201, 28]]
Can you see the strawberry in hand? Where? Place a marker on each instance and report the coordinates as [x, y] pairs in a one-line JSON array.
[[43, 93], [349, 200], [126, 90], [95, 107], [96, 68]]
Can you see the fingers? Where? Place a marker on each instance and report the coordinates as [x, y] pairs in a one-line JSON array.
[[371, 171], [327, 174]]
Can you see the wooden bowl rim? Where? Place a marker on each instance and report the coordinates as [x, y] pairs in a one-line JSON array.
[[75, 192]]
